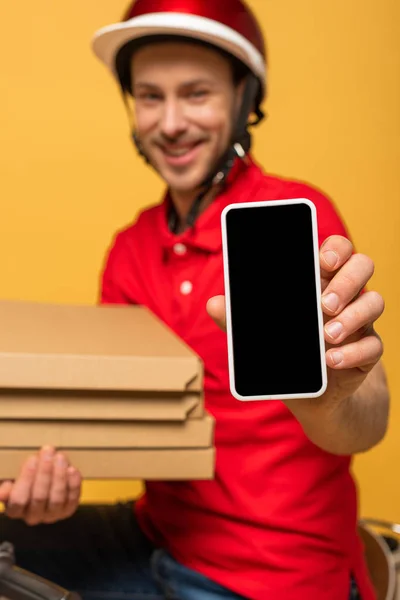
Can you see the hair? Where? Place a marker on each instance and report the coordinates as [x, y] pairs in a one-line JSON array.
[[124, 57]]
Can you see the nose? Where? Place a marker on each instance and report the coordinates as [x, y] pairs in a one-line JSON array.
[[173, 121]]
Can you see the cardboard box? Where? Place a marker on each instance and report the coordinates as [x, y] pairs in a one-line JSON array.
[[111, 386], [165, 464], [94, 362], [194, 433]]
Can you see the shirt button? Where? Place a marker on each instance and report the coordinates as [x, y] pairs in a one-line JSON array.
[[186, 287], [180, 249]]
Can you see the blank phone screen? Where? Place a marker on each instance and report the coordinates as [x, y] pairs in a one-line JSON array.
[[276, 346]]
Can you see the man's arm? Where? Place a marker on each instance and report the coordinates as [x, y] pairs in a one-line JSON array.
[[352, 425]]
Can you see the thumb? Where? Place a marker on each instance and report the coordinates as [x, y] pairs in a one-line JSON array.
[[216, 310], [5, 491]]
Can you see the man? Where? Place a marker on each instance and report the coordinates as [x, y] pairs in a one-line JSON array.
[[279, 520]]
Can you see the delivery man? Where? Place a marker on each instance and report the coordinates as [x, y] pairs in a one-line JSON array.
[[278, 522]]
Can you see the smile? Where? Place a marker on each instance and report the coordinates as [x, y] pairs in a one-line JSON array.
[[181, 155]]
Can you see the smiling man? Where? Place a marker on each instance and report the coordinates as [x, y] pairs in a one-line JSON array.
[[279, 521]]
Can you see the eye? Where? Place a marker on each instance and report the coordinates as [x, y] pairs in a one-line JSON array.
[[198, 94], [149, 97]]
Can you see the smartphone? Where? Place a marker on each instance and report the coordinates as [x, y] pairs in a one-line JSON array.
[[276, 346]]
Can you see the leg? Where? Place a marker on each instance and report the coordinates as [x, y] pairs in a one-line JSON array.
[[178, 581], [99, 552], [182, 583]]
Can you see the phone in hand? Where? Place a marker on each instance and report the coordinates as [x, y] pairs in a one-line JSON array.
[[276, 346]]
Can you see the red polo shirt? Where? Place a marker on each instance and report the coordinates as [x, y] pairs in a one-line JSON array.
[[279, 519]]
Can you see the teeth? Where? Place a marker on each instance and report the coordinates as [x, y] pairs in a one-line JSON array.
[[178, 152]]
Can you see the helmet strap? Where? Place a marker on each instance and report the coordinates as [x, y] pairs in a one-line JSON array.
[[239, 146]]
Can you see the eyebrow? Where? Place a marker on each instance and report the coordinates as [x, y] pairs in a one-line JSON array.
[[186, 84]]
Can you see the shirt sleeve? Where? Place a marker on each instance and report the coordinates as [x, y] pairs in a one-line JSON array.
[[116, 273], [330, 221]]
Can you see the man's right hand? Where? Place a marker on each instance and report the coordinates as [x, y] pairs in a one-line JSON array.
[[47, 490]]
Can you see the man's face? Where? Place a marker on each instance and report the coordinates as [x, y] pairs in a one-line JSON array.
[[185, 101]]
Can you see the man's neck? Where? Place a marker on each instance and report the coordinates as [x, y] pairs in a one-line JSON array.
[[183, 202]]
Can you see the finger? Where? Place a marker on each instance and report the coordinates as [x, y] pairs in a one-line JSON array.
[[347, 283], [74, 491], [358, 315], [5, 491], [334, 253], [216, 310], [58, 494], [363, 354], [21, 491], [41, 487]]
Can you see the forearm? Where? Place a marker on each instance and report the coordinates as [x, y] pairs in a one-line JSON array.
[[351, 425]]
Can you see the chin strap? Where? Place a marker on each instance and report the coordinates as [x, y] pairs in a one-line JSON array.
[[239, 147]]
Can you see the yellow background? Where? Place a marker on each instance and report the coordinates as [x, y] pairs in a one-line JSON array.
[[69, 176]]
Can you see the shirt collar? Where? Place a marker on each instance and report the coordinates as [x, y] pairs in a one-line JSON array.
[[206, 232]]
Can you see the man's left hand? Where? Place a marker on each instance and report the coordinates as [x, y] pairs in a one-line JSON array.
[[353, 346]]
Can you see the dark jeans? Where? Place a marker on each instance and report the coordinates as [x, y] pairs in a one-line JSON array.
[[102, 554]]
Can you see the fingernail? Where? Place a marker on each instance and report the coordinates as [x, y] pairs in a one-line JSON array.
[[48, 453], [331, 258], [32, 462], [334, 329], [331, 301], [337, 357], [61, 461]]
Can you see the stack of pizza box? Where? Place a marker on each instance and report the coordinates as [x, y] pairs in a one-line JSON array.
[[110, 386]]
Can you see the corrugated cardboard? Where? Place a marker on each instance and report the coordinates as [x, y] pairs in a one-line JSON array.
[[194, 433], [65, 355], [163, 464]]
